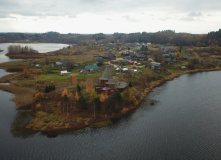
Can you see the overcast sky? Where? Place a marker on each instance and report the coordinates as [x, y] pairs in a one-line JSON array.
[[109, 16]]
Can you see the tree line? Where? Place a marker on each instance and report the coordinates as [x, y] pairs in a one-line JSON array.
[[76, 100], [18, 49], [161, 37]]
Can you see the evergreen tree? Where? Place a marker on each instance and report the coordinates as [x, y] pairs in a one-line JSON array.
[[117, 107], [146, 48], [130, 85], [82, 103], [49, 88], [46, 89], [97, 103], [65, 97], [78, 88], [113, 103]]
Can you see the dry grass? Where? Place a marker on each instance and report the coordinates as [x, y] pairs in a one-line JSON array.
[[216, 56], [75, 58], [26, 56], [204, 54], [14, 66], [6, 78], [23, 96]]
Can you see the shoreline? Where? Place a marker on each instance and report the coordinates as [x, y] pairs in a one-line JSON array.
[[108, 119], [71, 124], [28, 56], [101, 120], [24, 56]]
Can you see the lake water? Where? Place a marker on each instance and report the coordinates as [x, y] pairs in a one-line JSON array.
[[40, 47], [185, 123]]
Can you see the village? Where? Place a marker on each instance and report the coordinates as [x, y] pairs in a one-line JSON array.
[[92, 84]]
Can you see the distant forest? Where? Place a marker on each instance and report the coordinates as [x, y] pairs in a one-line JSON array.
[[167, 37]]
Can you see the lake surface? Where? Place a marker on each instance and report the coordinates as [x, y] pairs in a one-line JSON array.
[[40, 47], [185, 123]]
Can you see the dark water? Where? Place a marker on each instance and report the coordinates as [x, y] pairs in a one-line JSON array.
[[185, 123]]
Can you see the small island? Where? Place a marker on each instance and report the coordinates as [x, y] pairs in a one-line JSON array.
[[92, 84]]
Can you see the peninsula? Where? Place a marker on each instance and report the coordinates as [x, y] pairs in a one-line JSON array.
[[91, 84]]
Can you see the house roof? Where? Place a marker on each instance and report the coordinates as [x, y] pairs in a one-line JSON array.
[[121, 85], [166, 47], [108, 54], [64, 72], [168, 60], [94, 66], [96, 59], [58, 63], [107, 75], [155, 64], [141, 56]]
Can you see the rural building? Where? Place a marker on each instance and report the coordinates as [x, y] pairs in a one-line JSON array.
[[126, 59], [38, 66], [183, 68], [113, 61], [109, 55], [155, 65], [91, 67], [107, 84], [141, 57], [96, 55], [63, 64], [99, 60], [58, 64], [65, 72]]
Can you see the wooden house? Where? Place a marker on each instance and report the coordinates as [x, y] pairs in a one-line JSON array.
[[107, 84]]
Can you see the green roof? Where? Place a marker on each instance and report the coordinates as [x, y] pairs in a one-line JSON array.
[[88, 68]]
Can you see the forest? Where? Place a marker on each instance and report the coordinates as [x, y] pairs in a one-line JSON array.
[[169, 37]]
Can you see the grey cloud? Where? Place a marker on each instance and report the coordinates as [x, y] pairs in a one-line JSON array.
[[4, 3], [192, 16], [131, 19], [195, 14], [187, 18], [73, 8]]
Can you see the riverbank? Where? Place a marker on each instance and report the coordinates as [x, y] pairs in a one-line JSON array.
[[32, 56], [57, 124], [48, 123]]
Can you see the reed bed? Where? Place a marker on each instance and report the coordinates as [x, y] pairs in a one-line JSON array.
[[23, 96]]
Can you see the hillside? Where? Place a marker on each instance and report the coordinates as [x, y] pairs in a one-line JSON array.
[[161, 37]]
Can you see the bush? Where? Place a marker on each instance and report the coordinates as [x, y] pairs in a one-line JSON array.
[[49, 88], [191, 65]]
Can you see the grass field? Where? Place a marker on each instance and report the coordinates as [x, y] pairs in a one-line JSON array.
[[85, 76], [52, 77]]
